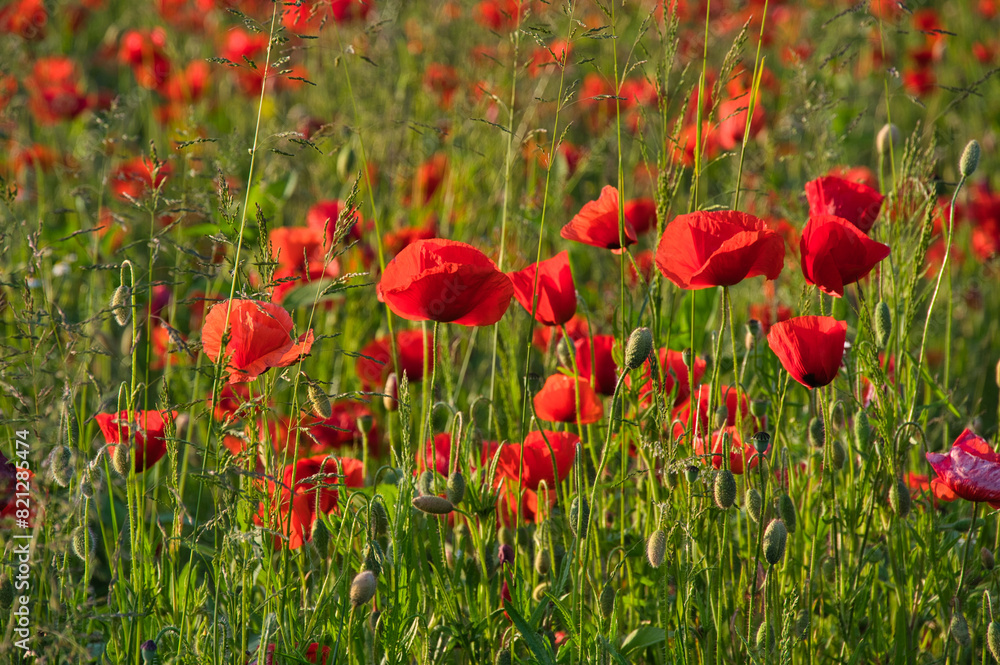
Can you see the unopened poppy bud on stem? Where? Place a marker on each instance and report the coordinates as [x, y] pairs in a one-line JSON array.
[[786, 509], [456, 487], [83, 543], [970, 159], [61, 464], [121, 305], [883, 324], [817, 433], [607, 600], [993, 639], [579, 517], [390, 394], [433, 505], [656, 548], [121, 459], [725, 489], [755, 505], [148, 651], [363, 588], [899, 498], [887, 137], [775, 538], [960, 629], [986, 556], [319, 400], [640, 345]]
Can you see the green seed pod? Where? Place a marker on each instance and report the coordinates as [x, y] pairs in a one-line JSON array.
[[579, 517], [862, 430], [899, 499], [993, 639], [319, 400], [656, 548], [638, 348], [838, 455], [755, 505], [691, 473], [887, 137], [543, 562], [607, 600], [456, 487], [378, 519], [433, 505], [6, 592], [84, 544], [725, 489], [802, 624], [148, 651], [687, 357], [986, 556], [960, 629], [817, 433], [61, 464], [786, 510], [775, 537], [121, 459], [970, 159], [425, 483], [761, 442], [759, 407], [363, 588], [503, 657], [121, 305], [883, 324]]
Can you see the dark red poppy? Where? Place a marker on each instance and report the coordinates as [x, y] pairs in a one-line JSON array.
[[308, 488], [343, 429], [324, 216], [810, 348], [231, 398], [602, 372], [144, 52], [144, 433], [530, 503], [556, 401], [546, 336], [539, 464], [742, 456], [718, 248], [54, 90], [301, 253], [597, 223], [25, 18], [699, 404], [550, 58], [556, 293], [641, 213], [134, 178], [857, 203], [971, 469], [375, 367], [445, 281], [260, 338], [437, 455], [835, 253], [675, 375]]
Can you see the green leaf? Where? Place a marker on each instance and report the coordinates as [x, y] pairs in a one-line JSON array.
[[642, 638], [531, 638]]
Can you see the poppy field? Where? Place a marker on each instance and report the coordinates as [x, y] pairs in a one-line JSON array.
[[499, 331]]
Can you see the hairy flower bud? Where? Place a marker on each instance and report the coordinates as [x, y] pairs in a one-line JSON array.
[[887, 137], [838, 455], [121, 305], [363, 588], [6, 592], [579, 517], [121, 460], [656, 548], [986, 556], [148, 651], [960, 629], [433, 505], [638, 348], [456, 487], [899, 498], [755, 505], [84, 544], [862, 430], [970, 159], [775, 537], [725, 489], [378, 519], [61, 465], [883, 324], [607, 600], [319, 400], [817, 433], [786, 510], [390, 394], [993, 639]]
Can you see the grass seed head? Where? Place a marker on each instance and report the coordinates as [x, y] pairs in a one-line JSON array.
[[774, 541], [725, 489], [638, 348], [969, 162], [656, 548], [363, 588], [433, 505]]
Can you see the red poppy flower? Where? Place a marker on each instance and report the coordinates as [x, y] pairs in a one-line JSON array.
[[641, 213], [682, 414], [26, 18], [675, 374], [718, 248], [375, 362], [742, 455], [437, 454], [971, 469], [144, 433], [556, 401], [597, 223], [260, 338], [342, 428], [602, 372], [835, 253], [144, 52], [135, 178], [810, 348], [301, 255], [857, 203], [54, 90], [556, 293], [546, 336], [539, 462], [445, 281], [295, 502]]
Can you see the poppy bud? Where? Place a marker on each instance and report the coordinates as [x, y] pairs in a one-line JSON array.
[[899, 499], [87, 486], [656, 548], [579, 517], [148, 651], [887, 137], [721, 416], [320, 537], [505, 555], [378, 519], [691, 473], [970, 159], [347, 163], [433, 505], [986, 556], [374, 558], [425, 483], [862, 430], [72, 431], [838, 455], [883, 324], [817, 433], [802, 624], [607, 600], [505, 536], [373, 623], [121, 460], [563, 351], [456, 487], [503, 657], [538, 593], [754, 328], [725, 489], [61, 463], [759, 407], [363, 588], [121, 305], [319, 400], [755, 505], [686, 357], [993, 639], [837, 414], [765, 637], [761, 442], [775, 537], [638, 348], [6, 593], [84, 545], [960, 629], [542, 562], [786, 510], [390, 394]]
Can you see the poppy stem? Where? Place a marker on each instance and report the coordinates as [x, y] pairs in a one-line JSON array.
[[965, 555]]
